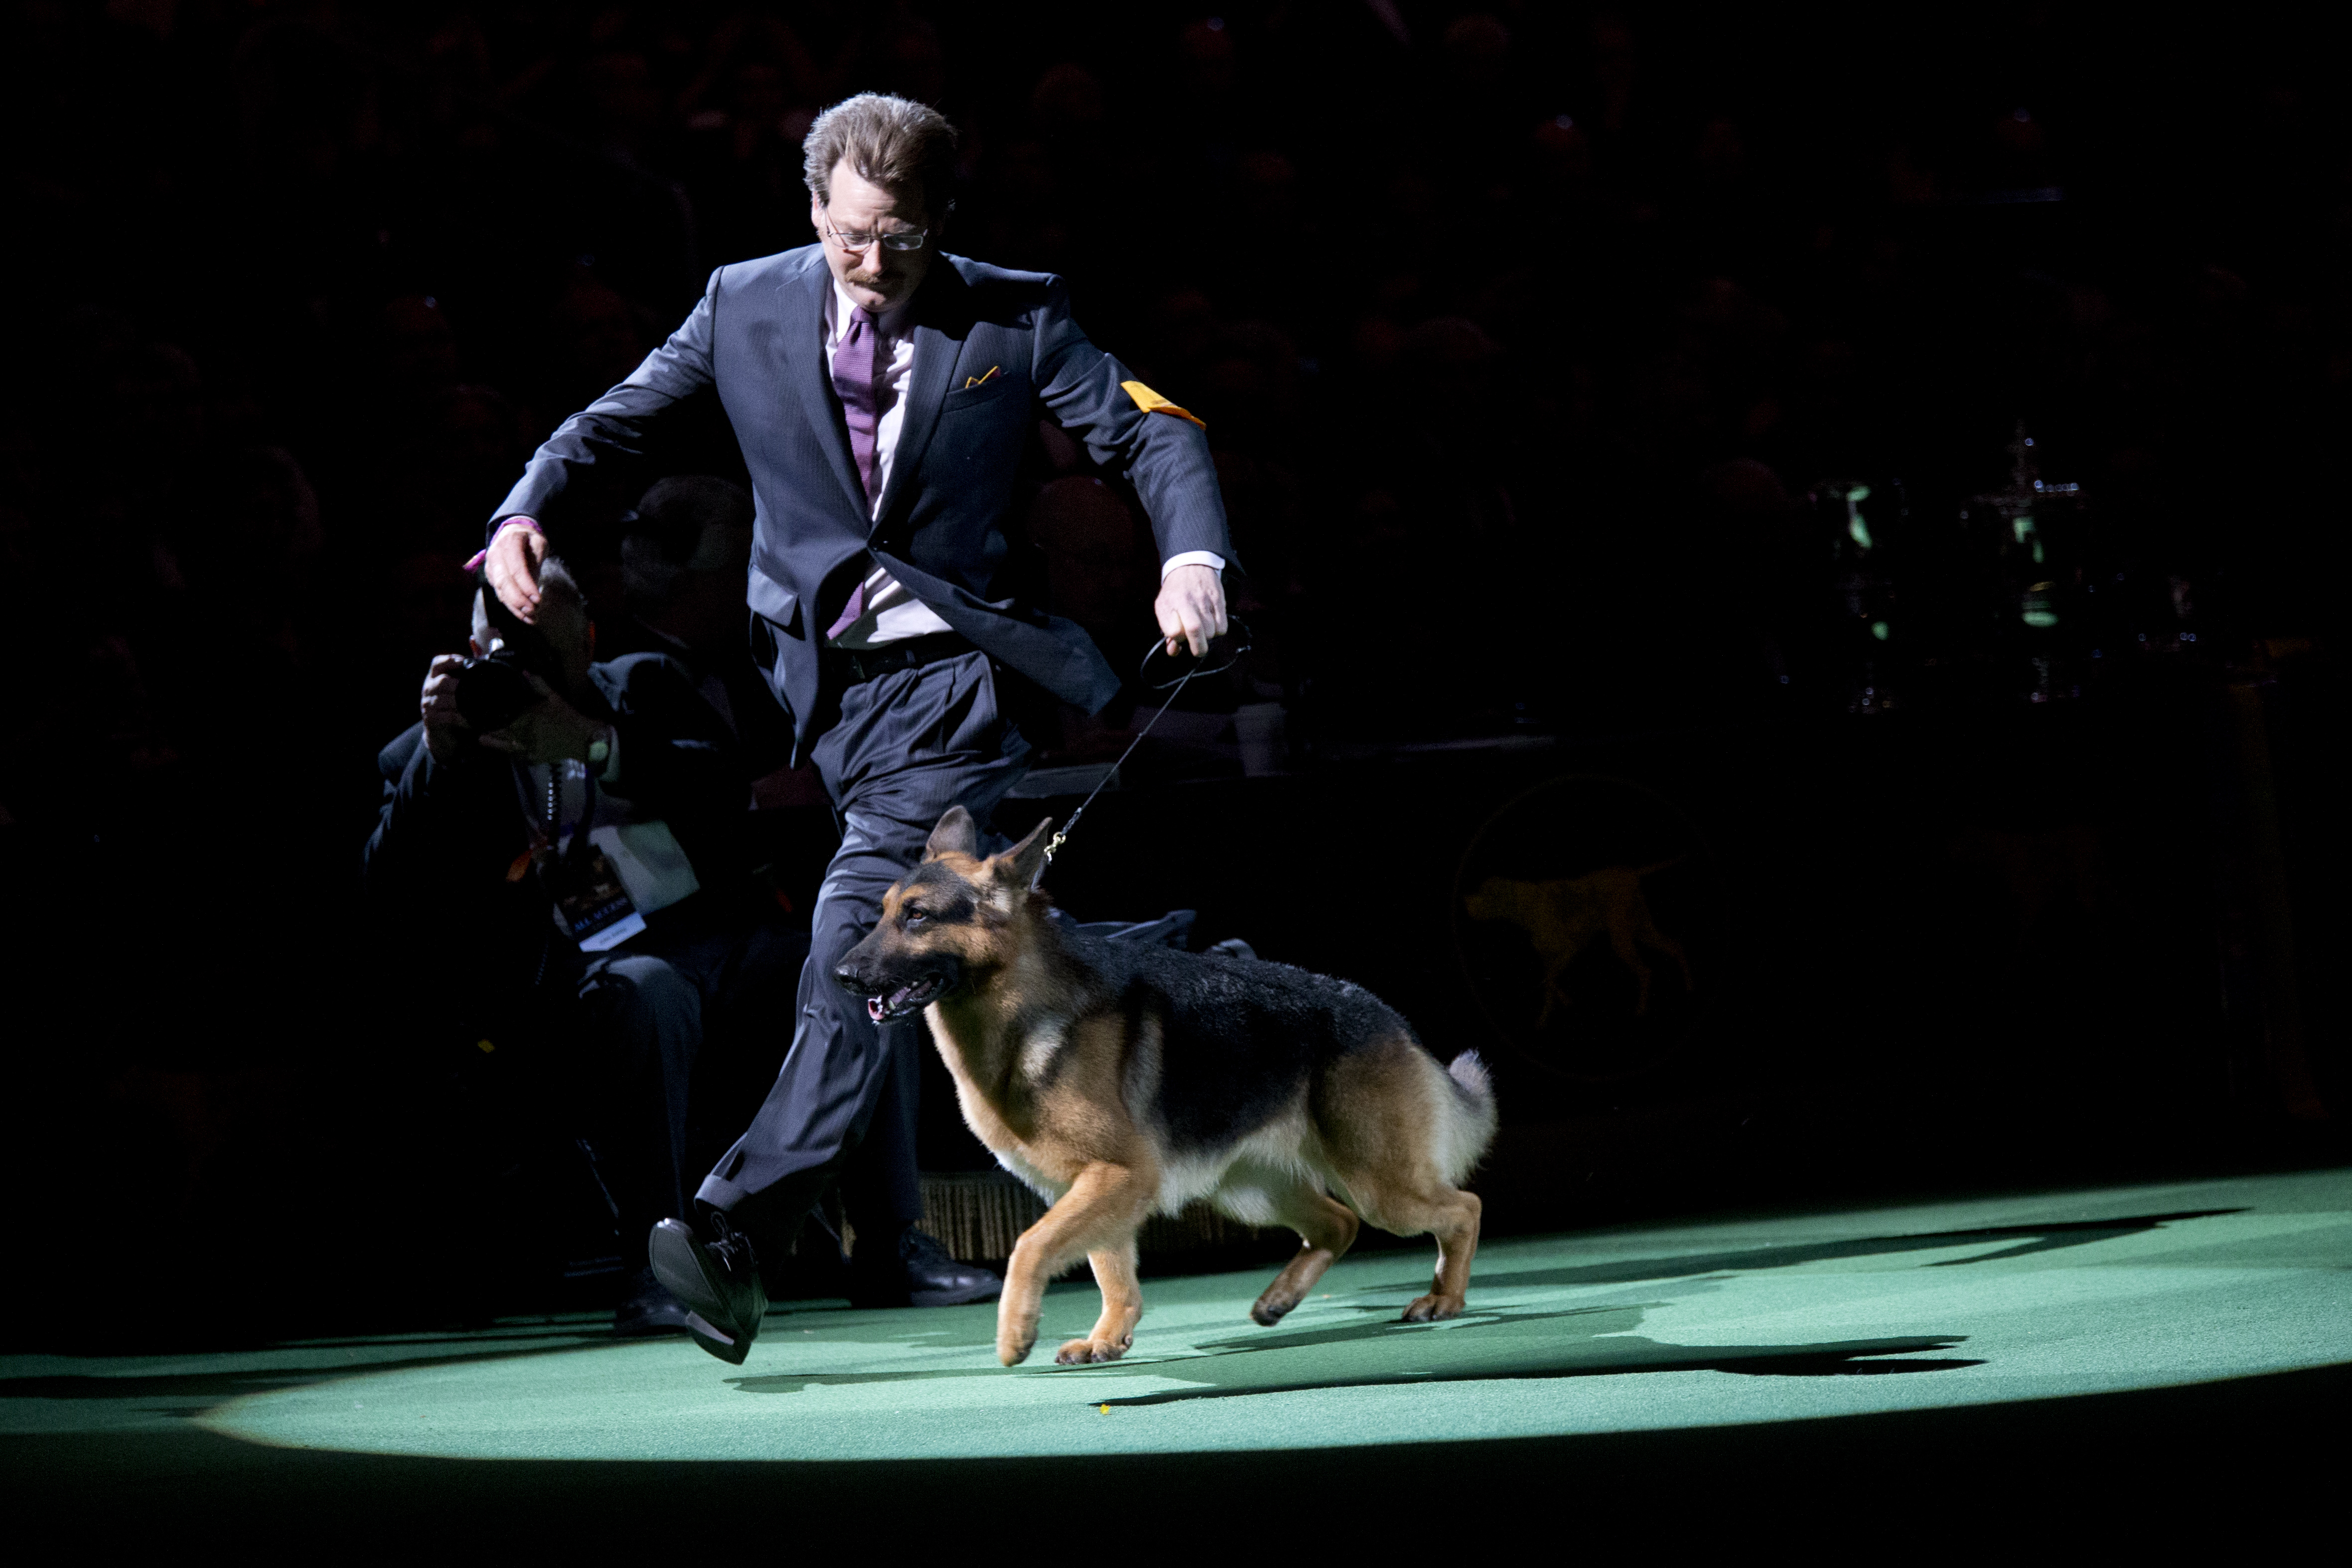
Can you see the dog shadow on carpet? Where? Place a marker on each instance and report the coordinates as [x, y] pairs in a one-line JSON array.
[[1592, 1340], [2051, 1236], [1623, 1354], [1504, 1344], [1246, 1343]]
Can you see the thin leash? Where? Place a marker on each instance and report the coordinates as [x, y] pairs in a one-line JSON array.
[[1232, 654], [1062, 835]]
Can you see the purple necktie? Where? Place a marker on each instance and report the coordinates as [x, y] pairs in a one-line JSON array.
[[854, 380], [854, 367]]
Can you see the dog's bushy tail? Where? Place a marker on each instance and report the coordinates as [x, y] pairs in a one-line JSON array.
[[1470, 1117]]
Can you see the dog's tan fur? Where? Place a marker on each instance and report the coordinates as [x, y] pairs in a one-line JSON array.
[[1060, 1081]]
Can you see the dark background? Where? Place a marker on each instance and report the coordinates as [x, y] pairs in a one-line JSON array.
[[1530, 339]]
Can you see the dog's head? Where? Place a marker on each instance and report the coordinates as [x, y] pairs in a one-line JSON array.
[[947, 924]]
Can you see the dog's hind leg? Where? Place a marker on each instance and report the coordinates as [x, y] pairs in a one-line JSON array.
[[1621, 942], [1390, 1117], [1446, 1212], [1555, 993], [1659, 941], [1099, 1213], [1326, 1228]]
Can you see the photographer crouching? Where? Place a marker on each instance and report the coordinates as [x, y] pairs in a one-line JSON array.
[[582, 823]]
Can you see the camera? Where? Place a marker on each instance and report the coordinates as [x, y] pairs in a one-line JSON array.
[[493, 691]]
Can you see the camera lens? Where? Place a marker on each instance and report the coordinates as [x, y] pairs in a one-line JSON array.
[[492, 693]]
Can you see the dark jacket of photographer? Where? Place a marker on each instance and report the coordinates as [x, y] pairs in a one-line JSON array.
[[449, 834]]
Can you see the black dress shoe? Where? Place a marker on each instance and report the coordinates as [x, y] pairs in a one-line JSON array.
[[648, 1309], [718, 1282], [917, 1272], [936, 1280]]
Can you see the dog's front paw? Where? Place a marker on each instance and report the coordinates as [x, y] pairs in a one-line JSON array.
[[1013, 1349], [1080, 1352], [1431, 1308]]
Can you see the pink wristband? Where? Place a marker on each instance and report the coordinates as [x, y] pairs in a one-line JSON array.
[[504, 523]]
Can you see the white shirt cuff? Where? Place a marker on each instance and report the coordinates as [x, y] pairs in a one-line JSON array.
[[1207, 558]]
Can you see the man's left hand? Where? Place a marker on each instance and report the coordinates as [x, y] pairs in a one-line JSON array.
[[1191, 609], [550, 732]]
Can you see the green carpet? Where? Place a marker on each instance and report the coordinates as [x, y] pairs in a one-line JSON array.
[[1752, 1322]]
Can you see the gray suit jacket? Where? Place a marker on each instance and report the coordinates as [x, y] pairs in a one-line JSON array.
[[758, 335]]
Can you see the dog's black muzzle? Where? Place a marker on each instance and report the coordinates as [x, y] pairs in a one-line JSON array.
[[894, 990]]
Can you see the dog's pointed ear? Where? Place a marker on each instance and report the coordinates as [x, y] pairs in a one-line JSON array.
[[956, 834], [1023, 864]]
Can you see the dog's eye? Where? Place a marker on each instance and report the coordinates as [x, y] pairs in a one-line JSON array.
[[911, 915]]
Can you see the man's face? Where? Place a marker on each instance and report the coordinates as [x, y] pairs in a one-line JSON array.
[[876, 277]]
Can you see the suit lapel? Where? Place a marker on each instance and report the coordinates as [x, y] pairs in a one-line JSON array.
[[808, 379], [939, 336]]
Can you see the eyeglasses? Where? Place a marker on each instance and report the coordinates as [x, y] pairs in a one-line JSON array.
[[897, 239]]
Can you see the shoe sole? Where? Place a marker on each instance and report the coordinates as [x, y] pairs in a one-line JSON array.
[[726, 1347], [678, 1264]]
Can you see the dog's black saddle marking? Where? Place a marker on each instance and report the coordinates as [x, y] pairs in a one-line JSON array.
[[1239, 1036]]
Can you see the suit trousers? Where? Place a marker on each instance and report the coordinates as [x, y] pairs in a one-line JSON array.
[[651, 1008], [909, 745]]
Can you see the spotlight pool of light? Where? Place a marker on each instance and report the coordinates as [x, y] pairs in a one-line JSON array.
[[1831, 1314]]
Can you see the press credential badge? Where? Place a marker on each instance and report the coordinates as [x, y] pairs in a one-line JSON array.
[[591, 906]]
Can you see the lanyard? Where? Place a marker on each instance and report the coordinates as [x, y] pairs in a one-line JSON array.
[[554, 829]]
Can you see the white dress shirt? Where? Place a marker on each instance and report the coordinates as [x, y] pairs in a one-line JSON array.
[[892, 613]]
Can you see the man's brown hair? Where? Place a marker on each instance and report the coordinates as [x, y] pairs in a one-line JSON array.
[[898, 144]]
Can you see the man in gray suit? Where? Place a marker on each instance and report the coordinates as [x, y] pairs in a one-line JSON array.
[[882, 393]]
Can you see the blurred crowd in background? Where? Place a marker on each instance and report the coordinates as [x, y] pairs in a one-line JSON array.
[[1527, 336]]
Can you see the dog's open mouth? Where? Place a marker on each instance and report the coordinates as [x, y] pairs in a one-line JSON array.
[[910, 997]]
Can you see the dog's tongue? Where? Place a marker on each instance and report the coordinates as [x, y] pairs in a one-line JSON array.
[[880, 1007]]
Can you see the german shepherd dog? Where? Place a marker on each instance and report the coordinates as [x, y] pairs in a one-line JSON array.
[[1120, 1079]]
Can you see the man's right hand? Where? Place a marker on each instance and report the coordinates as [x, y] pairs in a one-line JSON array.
[[446, 734], [512, 566]]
